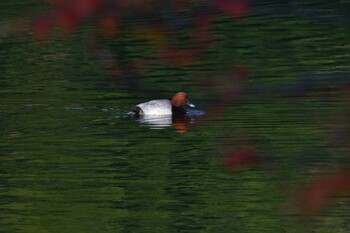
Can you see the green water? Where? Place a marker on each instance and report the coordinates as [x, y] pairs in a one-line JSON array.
[[73, 160]]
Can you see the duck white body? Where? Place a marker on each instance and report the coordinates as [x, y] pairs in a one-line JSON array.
[[164, 107], [156, 107]]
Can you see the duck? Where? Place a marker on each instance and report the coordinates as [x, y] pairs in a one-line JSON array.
[[163, 107]]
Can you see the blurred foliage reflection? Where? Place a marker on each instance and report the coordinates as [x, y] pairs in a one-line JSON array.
[[272, 78]]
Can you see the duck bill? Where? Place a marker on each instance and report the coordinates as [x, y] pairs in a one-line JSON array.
[[191, 105]]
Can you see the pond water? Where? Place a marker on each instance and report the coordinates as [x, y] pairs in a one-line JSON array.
[[265, 150]]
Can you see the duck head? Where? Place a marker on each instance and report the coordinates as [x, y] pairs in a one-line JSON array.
[[180, 100]]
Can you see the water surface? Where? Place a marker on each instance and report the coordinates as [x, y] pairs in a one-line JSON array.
[[271, 119]]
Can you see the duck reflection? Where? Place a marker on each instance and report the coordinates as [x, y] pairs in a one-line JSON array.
[[179, 122]]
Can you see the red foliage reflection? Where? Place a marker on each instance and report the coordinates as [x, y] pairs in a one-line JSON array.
[[179, 56], [315, 196], [68, 20], [236, 8], [158, 21], [41, 28], [109, 25], [240, 157]]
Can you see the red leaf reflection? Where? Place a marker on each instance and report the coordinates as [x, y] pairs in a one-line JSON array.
[[109, 25], [68, 20], [315, 196], [179, 56], [240, 157], [236, 8], [41, 28], [201, 30], [87, 7]]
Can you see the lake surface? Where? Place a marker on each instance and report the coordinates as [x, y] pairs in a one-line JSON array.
[[265, 150]]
